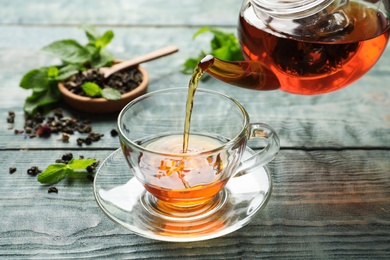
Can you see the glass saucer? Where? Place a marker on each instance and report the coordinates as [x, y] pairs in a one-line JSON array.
[[121, 197]]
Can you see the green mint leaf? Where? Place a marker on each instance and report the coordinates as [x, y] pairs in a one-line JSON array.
[[222, 52], [236, 53], [42, 99], [223, 46], [93, 51], [36, 80], [201, 31], [80, 164], [67, 71], [103, 41], [43, 81], [218, 42], [54, 173], [92, 89], [111, 94], [32, 103], [91, 32], [52, 72], [189, 65], [69, 51], [102, 59]]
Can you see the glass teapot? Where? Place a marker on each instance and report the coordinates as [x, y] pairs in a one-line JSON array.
[[305, 46]]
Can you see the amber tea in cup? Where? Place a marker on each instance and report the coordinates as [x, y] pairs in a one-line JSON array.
[[187, 180], [182, 184]]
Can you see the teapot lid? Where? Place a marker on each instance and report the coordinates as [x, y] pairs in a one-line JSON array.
[[291, 8], [311, 19]]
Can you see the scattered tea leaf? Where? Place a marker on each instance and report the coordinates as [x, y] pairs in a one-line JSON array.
[[52, 189], [54, 173], [80, 164], [58, 171]]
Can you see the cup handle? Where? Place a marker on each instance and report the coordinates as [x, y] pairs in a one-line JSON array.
[[265, 155]]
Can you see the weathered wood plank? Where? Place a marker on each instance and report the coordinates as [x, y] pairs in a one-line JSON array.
[[331, 196], [356, 116], [118, 12], [325, 204]]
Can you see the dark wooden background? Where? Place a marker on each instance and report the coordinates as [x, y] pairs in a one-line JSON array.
[[331, 195]]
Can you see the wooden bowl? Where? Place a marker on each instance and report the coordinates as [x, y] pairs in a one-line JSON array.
[[102, 105]]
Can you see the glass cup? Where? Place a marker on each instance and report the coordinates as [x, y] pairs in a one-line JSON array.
[[186, 184]]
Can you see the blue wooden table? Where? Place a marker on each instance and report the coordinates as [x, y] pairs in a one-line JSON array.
[[331, 179]]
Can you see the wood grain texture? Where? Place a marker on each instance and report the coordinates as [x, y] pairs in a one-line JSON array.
[[357, 116], [331, 180], [324, 204], [120, 13]]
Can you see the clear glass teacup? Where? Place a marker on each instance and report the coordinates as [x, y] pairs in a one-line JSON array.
[[182, 184]]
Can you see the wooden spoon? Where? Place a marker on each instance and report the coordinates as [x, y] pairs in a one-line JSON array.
[[107, 71]]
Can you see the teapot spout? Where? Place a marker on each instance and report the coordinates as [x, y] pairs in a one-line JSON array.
[[246, 74]]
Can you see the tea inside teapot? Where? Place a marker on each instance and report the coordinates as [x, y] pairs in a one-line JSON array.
[[306, 46]]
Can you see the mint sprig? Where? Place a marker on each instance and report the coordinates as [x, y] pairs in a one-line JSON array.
[[58, 171], [75, 57], [69, 51], [223, 46]]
